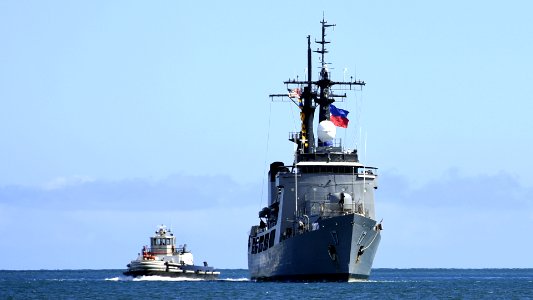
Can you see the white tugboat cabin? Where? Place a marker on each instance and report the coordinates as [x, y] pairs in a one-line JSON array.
[[163, 258]]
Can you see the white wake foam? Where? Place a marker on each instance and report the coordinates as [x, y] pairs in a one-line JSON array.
[[234, 279]]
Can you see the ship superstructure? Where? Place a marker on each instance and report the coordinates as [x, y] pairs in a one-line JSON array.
[[320, 222]]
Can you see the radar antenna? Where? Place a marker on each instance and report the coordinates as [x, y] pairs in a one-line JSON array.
[[314, 93]]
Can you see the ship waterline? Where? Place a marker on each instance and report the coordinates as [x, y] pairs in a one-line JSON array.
[[310, 257]]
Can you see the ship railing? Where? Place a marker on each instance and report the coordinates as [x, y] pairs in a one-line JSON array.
[[331, 209], [295, 136], [158, 250], [255, 230], [333, 145]]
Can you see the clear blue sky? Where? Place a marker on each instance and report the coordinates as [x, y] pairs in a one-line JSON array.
[[117, 116]]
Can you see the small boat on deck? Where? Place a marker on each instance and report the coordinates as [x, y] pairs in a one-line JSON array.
[[163, 258]]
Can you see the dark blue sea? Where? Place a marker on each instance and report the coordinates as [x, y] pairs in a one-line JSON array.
[[235, 284]]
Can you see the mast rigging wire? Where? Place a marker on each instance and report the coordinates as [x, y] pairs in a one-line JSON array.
[[266, 156]]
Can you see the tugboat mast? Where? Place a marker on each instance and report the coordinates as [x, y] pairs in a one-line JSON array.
[[310, 98]]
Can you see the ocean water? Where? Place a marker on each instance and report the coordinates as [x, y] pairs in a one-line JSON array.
[[235, 284]]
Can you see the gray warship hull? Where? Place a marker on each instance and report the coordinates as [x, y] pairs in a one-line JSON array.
[[320, 222], [308, 257]]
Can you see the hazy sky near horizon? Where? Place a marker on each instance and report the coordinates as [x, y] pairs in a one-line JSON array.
[[117, 116]]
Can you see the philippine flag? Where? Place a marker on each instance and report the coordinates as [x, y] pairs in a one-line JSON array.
[[339, 117]]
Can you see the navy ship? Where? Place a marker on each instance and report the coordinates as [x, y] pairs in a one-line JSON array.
[[320, 222]]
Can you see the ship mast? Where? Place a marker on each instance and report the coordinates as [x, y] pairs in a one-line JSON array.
[[310, 98]]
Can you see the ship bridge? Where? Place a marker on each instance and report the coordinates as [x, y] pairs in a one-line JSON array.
[[163, 242], [337, 167]]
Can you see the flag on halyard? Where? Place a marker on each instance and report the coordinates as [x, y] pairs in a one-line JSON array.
[[295, 93], [339, 117]]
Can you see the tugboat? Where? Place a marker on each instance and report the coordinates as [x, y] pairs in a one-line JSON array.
[[320, 222], [163, 258]]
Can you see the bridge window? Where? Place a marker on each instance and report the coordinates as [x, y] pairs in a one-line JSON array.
[[328, 169]]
